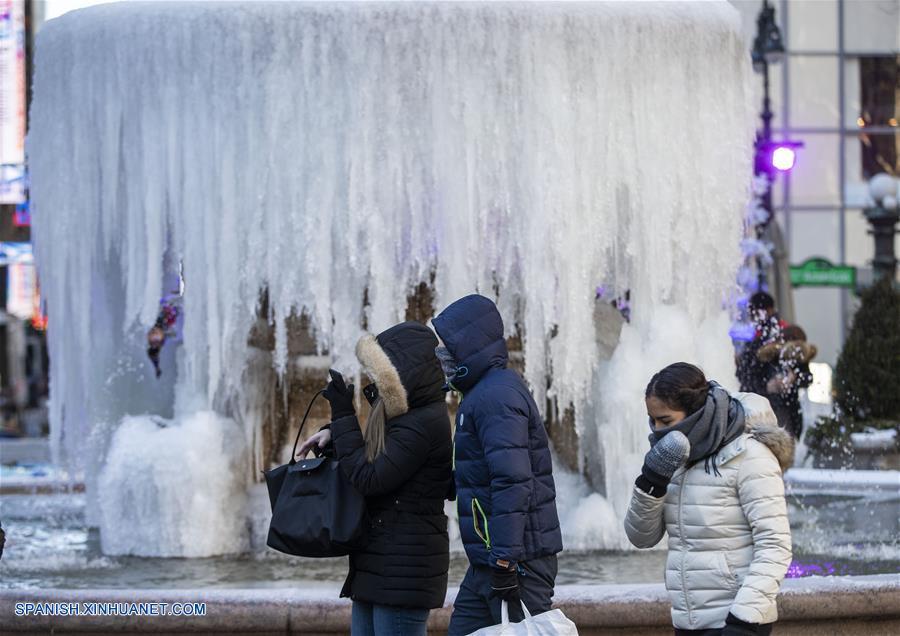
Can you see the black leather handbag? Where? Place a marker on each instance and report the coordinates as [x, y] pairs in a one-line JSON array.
[[316, 512]]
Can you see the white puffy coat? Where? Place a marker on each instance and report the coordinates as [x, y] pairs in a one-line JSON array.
[[729, 538]]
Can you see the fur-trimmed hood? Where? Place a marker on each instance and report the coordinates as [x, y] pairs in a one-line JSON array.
[[401, 363], [776, 439], [382, 372], [798, 351], [762, 425]]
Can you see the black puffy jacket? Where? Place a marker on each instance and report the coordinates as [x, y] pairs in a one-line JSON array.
[[407, 557]]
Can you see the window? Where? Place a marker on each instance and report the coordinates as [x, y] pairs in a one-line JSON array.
[[879, 108]]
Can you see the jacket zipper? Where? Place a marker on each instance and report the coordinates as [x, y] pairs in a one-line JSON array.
[[486, 537], [462, 417], [687, 600]]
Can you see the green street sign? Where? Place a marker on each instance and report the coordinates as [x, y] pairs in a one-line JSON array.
[[820, 272]]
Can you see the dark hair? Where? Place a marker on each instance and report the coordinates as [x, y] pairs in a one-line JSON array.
[[761, 300], [794, 332], [679, 386]]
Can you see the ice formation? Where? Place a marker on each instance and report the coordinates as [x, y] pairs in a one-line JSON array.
[[178, 485], [331, 152]]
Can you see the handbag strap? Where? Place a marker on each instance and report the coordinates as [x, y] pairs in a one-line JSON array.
[[302, 424]]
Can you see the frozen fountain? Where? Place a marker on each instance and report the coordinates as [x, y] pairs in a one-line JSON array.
[[315, 165]]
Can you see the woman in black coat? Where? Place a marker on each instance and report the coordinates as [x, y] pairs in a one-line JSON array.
[[402, 465]]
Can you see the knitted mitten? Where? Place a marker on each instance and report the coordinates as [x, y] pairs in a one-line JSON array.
[[661, 462]]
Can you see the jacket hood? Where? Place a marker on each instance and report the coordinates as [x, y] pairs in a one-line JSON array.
[[799, 351], [778, 440], [793, 350], [401, 363], [472, 331]]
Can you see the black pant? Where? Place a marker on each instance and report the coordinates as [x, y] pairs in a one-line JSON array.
[[474, 608], [764, 630]]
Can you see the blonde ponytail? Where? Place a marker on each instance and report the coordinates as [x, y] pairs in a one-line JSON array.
[[374, 435]]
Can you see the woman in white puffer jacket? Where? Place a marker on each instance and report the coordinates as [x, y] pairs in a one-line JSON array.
[[713, 481]]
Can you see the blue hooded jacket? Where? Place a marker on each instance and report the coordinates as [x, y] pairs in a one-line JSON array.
[[506, 497]]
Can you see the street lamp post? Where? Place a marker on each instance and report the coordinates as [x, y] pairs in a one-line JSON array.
[[771, 157], [883, 216], [768, 48]]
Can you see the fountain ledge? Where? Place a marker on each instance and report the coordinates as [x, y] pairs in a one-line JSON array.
[[814, 605]]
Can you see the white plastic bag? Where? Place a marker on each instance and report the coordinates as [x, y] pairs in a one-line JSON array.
[[552, 623]]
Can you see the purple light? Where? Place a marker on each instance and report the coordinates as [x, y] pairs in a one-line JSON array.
[[783, 158], [797, 569]]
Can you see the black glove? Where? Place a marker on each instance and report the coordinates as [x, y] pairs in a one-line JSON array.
[[736, 627], [339, 396], [661, 462], [505, 585]]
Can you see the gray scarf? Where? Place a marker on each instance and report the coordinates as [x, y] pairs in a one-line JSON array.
[[718, 423]]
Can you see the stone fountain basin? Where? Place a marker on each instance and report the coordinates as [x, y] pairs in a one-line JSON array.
[[816, 605]]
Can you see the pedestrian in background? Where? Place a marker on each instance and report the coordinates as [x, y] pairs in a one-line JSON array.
[[788, 365], [753, 373]]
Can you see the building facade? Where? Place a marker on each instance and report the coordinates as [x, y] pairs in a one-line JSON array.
[[838, 91]]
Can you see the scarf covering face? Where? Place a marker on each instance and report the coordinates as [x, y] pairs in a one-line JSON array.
[[448, 364], [718, 423]]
